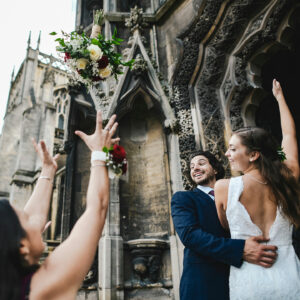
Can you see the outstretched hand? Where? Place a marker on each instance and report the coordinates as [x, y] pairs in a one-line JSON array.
[[277, 90], [46, 158], [101, 137]]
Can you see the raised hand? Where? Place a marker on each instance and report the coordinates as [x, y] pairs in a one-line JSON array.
[[46, 158], [277, 90], [101, 137]]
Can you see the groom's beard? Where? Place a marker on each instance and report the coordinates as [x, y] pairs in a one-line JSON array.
[[207, 179]]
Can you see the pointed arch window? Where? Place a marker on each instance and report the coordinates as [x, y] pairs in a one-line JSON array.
[[61, 121], [61, 101]]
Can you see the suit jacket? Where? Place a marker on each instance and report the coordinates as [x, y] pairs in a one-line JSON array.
[[208, 249]]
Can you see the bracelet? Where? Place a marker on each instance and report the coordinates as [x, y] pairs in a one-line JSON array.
[[98, 165], [47, 178], [98, 155]]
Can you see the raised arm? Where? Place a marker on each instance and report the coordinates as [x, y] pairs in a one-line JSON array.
[[64, 270], [37, 207], [289, 138]]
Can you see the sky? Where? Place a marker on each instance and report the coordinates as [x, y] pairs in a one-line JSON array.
[[17, 19]]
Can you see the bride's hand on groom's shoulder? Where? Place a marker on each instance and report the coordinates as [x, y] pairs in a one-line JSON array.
[[260, 254]]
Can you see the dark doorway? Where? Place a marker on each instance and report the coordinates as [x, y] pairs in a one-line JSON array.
[[285, 67]]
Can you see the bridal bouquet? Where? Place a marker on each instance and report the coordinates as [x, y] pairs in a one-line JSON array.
[[115, 160], [91, 59]]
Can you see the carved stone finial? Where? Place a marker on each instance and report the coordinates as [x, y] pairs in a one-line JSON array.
[[29, 40], [12, 75], [38, 41], [136, 19], [140, 65]]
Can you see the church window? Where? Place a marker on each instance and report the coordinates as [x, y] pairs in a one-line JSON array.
[[61, 121]]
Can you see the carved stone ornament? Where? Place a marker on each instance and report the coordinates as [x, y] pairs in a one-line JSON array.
[[140, 65], [100, 99], [136, 19], [146, 262], [172, 126]]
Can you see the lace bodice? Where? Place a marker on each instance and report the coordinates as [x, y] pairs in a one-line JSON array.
[[282, 280]]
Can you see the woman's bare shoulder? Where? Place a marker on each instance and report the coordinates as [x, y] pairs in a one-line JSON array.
[[222, 185]]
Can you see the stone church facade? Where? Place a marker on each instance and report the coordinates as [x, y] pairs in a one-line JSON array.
[[203, 68]]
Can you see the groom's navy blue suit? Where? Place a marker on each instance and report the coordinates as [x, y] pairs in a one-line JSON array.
[[208, 249]]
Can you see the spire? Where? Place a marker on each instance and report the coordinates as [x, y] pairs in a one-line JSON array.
[[29, 40], [38, 41], [12, 75]]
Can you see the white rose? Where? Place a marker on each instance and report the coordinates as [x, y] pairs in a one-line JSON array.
[[106, 72], [81, 63], [75, 44], [95, 52]]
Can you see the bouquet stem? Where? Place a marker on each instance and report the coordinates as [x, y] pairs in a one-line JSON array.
[[98, 21], [96, 30]]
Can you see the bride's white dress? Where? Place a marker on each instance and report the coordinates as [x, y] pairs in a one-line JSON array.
[[282, 280]]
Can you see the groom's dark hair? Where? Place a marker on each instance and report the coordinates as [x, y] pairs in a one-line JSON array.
[[214, 162]]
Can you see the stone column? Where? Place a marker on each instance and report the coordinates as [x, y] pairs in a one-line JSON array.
[[26, 160], [111, 250], [176, 247]]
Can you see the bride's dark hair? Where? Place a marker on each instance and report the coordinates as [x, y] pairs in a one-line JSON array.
[[12, 267], [284, 185]]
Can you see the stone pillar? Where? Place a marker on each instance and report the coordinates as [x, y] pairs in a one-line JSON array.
[[111, 250], [26, 160], [176, 247], [9, 147]]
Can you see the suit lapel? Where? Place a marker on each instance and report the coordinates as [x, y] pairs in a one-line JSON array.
[[203, 195]]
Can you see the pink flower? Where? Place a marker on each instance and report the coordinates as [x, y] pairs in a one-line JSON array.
[[67, 56]]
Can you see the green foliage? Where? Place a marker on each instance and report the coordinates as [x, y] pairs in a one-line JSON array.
[[98, 17], [105, 149], [281, 154]]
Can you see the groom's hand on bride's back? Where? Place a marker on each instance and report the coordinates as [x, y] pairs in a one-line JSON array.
[[257, 253]]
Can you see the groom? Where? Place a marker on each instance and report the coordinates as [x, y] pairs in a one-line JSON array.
[[208, 249]]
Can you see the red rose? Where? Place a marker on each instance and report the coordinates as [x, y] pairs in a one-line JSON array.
[[103, 62], [118, 154], [97, 78], [67, 56]]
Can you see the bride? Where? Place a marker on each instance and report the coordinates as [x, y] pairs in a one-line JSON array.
[[264, 201]]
